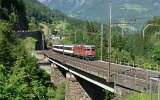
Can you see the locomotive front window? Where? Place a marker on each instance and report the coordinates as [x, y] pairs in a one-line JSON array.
[[88, 49], [93, 49]]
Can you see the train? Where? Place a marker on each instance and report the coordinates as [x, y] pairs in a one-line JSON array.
[[86, 52]]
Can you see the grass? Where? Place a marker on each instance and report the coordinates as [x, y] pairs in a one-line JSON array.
[[45, 28], [29, 44], [60, 92], [141, 96]]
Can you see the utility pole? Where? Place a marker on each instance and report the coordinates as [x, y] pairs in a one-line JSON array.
[[110, 31], [151, 86], [63, 49], [75, 37], [147, 27], [101, 41], [63, 42], [43, 42], [84, 32]]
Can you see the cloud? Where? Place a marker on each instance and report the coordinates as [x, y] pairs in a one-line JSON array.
[[133, 7]]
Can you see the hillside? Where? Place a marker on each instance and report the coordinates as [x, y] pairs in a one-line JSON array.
[[42, 13], [21, 77], [39, 13], [98, 9], [14, 12]]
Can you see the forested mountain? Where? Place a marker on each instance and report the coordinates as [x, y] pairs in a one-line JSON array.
[[99, 9], [41, 13], [14, 12], [37, 12]]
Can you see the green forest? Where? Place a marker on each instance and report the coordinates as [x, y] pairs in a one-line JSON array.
[[21, 77]]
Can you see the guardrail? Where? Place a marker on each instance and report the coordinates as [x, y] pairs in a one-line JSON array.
[[133, 64], [24, 31]]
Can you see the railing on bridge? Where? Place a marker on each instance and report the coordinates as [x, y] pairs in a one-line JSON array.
[[15, 31], [133, 64]]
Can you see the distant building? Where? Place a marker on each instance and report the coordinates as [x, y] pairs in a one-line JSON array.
[[56, 36], [57, 29]]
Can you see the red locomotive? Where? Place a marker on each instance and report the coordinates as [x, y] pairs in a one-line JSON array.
[[86, 51], [82, 51]]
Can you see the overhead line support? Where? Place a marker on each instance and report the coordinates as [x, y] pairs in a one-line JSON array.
[[110, 37]]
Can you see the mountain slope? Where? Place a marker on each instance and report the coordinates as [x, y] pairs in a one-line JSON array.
[[40, 12], [14, 12], [127, 9]]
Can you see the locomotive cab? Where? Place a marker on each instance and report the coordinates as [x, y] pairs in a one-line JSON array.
[[85, 51], [90, 52]]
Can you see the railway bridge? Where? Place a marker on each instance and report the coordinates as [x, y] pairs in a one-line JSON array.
[[124, 78]]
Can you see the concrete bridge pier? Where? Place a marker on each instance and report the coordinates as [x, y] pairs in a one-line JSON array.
[[56, 75], [74, 91], [121, 93]]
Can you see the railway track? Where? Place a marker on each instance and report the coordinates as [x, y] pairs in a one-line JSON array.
[[124, 74]]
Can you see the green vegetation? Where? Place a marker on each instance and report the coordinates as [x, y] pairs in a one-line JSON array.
[[108, 95], [29, 44], [60, 92], [141, 96], [36, 12], [14, 12], [21, 78]]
